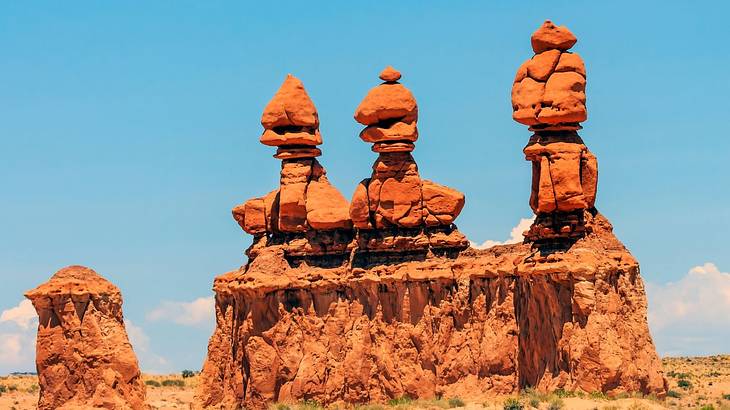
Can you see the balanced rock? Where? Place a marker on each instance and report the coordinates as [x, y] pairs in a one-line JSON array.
[[548, 92], [305, 201], [395, 197], [83, 355]]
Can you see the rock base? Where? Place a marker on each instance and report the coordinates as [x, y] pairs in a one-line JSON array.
[[383, 326]]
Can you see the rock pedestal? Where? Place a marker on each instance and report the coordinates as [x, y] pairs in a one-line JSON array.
[[83, 355], [306, 214], [394, 210], [548, 94]]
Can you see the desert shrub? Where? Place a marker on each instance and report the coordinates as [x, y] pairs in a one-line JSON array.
[[674, 394], [534, 402], [556, 404], [364, 407], [33, 388], [513, 404], [598, 395], [456, 402], [726, 396], [707, 407], [153, 383], [310, 404], [400, 401], [562, 393], [3, 388], [13, 387], [187, 373], [281, 406], [173, 383], [684, 383]]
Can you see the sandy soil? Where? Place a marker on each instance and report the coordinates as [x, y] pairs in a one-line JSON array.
[[694, 383]]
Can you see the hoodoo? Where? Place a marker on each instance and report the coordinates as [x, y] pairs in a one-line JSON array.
[[394, 209], [383, 299], [83, 355], [306, 214], [548, 94]]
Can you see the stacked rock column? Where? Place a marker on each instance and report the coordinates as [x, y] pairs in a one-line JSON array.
[[305, 203], [395, 209], [548, 95]]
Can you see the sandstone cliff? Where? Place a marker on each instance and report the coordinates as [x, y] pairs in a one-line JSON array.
[[83, 356], [388, 325]]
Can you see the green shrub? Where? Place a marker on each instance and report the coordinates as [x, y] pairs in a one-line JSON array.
[[556, 404], [726, 396], [282, 406], [153, 383], [187, 373], [33, 388], [3, 388], [403, 400], [674, 394], [707, 407], [513, 404], [309, 404], [598, 395], [534, 402], [684, 383], [562, 393], [173, 383], [456, 402]]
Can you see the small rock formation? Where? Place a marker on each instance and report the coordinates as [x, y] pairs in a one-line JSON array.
[[394, 209], [306, 213], [83, 355], [548, 94]]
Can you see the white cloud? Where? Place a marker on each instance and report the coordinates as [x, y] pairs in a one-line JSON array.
[[691, 316], [200, 311], [17, 338], [23, 315], [515, 235], [149, 362]]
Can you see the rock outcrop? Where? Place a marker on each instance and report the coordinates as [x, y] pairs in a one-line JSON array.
[[404, 309], [390, 325], [394, 209], [83, 355], [548, 94], [306, 213]]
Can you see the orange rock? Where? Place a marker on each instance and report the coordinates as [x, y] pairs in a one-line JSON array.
[[527, 100], [83, 355], [291, 106], [383, 147], [571, 62], [326, 207], [565, 99], [275, 139], [543, 64], [549, 37], [360, 206], [295, 175], [387, 102], [390, 74], [444, 203], [296, 153], [398, 131]]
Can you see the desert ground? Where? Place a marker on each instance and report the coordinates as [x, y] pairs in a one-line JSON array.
[[694, 383]]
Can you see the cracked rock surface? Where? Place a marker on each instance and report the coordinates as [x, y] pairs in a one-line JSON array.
[[83, 355], [390, 325]]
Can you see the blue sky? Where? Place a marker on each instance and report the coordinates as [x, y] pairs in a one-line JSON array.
[[129, 130]]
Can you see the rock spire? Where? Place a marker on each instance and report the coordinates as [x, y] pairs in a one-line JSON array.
[[548, 95], [395, 197], [83, 355], [305, 202]]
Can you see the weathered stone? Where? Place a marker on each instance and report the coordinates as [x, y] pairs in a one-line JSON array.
[[552, 37], [83, 355], [291, 106]]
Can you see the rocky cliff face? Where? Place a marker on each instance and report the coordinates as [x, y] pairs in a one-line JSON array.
[[83, 355], [387, 325]]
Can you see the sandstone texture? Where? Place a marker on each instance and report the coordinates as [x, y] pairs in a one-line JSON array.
[[549, 89], [406, 212], [305, 210], [549, 95], [83, 356], [389, 325]]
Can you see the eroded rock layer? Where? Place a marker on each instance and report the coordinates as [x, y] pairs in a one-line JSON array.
[[387, 325], [83, 356]]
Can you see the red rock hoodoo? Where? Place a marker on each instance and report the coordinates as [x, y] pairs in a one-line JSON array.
[[83, 355], [405, 309], [548, 94], [306, 214], [394, 209]]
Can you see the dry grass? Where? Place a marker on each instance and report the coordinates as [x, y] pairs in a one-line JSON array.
[[694, 383]]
